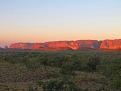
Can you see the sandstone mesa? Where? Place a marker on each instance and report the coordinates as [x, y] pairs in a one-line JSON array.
[[70, 45]]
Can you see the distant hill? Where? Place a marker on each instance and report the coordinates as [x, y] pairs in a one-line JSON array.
[[70, 45]]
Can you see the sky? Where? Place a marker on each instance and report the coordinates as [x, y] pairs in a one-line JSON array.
[[53, 20]]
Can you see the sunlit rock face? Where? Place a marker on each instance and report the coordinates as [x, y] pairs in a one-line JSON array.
[[70, 45], [55, 45], [58, 45], [37, 46], [74, 45], [111, 44], [92, 44], [63, 45], [21, 46]]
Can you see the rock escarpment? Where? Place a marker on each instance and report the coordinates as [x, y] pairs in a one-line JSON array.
[[93, 44], [21, 45], [70, 45], [63, 45], [58, 45], [111, 44]]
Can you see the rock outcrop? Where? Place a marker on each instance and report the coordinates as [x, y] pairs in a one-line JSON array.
[[58, 45], [63, 45], [70, 45], [21, 46], [111, 44], [92, 44], [37, 46]]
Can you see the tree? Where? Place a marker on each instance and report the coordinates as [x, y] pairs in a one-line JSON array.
[[92, 64]]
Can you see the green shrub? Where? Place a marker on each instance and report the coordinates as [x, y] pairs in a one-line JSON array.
[[92, 64], [67, 69], [112, 70], [58, 85], [116, 83]]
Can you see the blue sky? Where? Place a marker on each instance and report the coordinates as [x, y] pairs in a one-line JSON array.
[[46, 20]]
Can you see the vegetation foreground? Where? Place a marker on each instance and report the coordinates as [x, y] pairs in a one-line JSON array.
[[60, 71]]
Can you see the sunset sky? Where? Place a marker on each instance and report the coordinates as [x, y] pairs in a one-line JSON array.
[[51, 20]]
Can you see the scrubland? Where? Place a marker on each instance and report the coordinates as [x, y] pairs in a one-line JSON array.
[[91, 70]]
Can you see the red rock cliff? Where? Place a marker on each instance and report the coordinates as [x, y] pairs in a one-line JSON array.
[[93, 44], [21, 46], [111, 44], [37, 46], [58, 45], [63, 45]]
